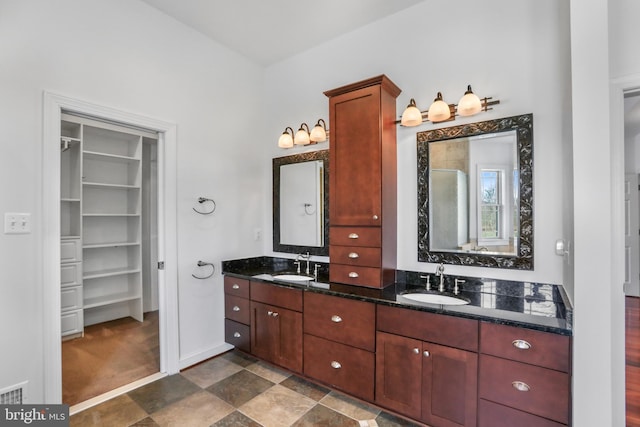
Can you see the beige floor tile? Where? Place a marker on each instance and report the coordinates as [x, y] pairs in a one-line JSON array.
[[210, 372], [277, 407], [199, 409], [349, 407], [119, 411], [268, 372]]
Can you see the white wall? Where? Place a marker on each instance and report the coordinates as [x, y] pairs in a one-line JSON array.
[[123, 54], [527, 70]]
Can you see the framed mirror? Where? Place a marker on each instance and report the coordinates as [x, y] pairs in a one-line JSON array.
[[475, 194], [301, 203]]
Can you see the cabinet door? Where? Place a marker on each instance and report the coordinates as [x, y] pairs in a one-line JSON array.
[[398, 374], [355, 158], [450, 386], [276, 335]]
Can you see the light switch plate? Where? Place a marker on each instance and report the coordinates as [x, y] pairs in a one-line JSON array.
[[17, 223]]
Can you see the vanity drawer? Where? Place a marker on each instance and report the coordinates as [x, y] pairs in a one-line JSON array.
[[356, 236], [70, 250], [525, 345], [436, 328], [340, 319], [72, 322], [539, 391], [341, 366], [237, 287], [276, 295], [355, 275], [236, 308], [493, 415], [355, 255], [71, 274], [238, 335], [71, 298]]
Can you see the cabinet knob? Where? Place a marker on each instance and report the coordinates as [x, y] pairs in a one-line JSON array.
[[236, 308], [235, 286], [354, 255], [236, 335], [336, 319], [353, 274], [336, 365], [416, 351], [520, 386], [274, 314], [375, 217], [426, 353], [521, 344], [353, 236]]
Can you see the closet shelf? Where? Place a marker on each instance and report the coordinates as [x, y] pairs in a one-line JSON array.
[[69, 199], [107, 156], [108, 300], [69, 237], [110, 214], [110, 245], [109, 273], [107, 185]]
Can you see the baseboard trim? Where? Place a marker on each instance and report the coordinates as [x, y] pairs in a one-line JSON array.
[[204, 355]]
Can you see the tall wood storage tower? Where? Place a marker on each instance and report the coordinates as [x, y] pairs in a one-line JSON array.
[[101, 215], [363, 183]]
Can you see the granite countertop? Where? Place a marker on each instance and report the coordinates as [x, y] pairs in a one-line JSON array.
[[539, 306]]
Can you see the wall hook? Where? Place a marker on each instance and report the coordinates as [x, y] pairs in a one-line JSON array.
[[203, 200], [203, 264]]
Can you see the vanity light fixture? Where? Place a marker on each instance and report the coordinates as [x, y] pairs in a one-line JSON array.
[[440, 111], [303, 136]]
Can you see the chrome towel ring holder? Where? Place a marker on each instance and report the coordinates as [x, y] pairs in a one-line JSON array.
[[204, 264], [202, 201]]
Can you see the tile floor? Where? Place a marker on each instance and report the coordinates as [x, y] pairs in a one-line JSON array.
[[234, 390]]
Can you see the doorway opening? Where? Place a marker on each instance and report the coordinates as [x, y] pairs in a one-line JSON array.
[[105, 219]]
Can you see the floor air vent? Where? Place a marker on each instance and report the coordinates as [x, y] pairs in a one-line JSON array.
[[14, 395]]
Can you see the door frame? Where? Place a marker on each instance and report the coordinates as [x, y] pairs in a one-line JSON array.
[[50, 237]]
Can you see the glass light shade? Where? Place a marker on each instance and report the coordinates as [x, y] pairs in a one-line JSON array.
[[302, 137], [285, 140], [318, 133], [411, 115], [439, 110], [469, 104]]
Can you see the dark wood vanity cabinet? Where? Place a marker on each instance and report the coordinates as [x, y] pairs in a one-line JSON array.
[[363, 182], [524, 377], [435, 383], [237, 313], [339, 343], [276, 325]]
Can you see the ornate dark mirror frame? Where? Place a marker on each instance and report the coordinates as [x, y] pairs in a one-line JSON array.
[[299, 158], [523, 260]]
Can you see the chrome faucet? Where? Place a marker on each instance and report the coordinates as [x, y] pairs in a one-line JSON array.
[[440, 272], [427, 286], [455, 288], [307, 258]]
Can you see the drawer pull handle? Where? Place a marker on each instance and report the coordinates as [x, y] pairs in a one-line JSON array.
[[375, 217], [272, 313], [336, 365], [236, 286], [353, 236], [354, 255], [521, 344], [520, 386], [426, 353], [336, 319], [236, 308], [353, 275], [416, 351], [236, 335]]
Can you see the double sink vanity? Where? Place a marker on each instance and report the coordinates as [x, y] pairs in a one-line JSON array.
[[436, 349]]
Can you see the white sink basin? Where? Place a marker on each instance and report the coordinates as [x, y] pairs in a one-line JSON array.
[[436, 299], [293, 278]]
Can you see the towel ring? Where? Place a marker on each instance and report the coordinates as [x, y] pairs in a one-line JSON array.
[[203, 200], [203, 264]]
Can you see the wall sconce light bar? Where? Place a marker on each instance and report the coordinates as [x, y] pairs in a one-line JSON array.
[[304, 136], [468, 105]]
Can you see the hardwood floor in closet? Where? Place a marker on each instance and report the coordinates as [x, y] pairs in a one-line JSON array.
[[632, 330], [110, 355]]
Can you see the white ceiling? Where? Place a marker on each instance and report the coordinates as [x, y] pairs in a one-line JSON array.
[[268, 31]]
